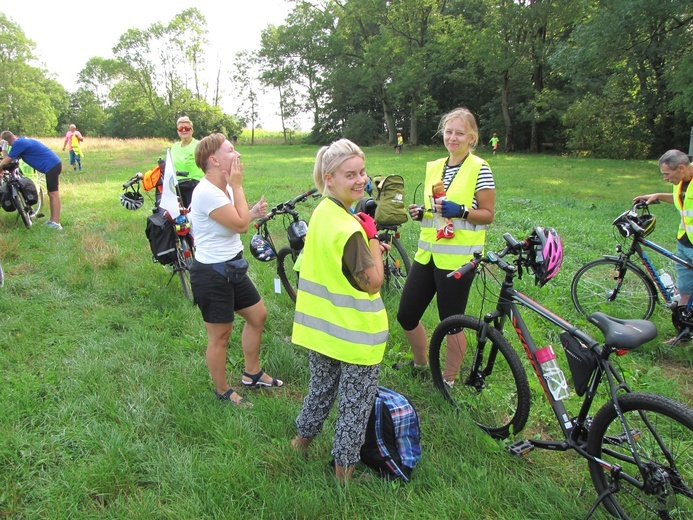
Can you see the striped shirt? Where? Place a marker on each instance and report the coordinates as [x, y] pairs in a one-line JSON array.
[[483, 182]]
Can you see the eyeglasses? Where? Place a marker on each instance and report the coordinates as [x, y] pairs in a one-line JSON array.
[[184, 128]]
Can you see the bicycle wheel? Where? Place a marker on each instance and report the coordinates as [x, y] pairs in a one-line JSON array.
[[286, 259], [496, 394], [662, 432], [42, 190], [396, 267], [183, 265], [21, 207], [595, 288]]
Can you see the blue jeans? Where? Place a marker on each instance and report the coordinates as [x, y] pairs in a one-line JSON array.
[[75, 158], [684, 276]]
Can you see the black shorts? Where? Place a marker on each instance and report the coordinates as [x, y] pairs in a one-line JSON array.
[[217, 298], [52, 176]]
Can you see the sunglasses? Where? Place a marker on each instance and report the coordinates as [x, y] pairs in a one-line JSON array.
[[184, 128]]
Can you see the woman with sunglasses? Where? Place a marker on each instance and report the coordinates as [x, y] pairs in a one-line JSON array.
[[183, 156]]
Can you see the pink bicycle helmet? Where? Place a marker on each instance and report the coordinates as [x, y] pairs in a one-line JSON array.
[[546, 254]]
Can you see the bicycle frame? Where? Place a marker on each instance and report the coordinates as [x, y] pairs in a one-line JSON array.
[[636, 248], [574, 430]]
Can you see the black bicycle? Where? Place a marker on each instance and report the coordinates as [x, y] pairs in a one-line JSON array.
[[19, 193], [262, 245], [170, 239], [638, 446]]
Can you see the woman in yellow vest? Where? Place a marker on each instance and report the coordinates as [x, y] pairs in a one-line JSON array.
[[339, 315], [469, 204]]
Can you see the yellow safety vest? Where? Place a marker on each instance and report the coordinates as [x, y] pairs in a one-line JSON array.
[[332, 317], [451, 253], [686, 212]]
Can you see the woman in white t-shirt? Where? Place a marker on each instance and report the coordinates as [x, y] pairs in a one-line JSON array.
[[220, 283]]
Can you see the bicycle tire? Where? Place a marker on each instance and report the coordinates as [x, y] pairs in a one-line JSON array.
[[183, 265], [396, 265], [595, 282], [497, 396], [40, 183], [20, 205], [668, 477], [286, 259]]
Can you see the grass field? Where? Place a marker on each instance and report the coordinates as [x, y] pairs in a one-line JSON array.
[[107, 405]]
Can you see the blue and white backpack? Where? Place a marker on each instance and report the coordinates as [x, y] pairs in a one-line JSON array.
[[393, 436]]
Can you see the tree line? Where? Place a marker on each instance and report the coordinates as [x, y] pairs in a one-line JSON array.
[[606, 78]]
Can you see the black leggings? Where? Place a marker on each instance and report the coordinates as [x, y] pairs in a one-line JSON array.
[[423, 282]]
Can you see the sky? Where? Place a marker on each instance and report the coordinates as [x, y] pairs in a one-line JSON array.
[[68, 33]]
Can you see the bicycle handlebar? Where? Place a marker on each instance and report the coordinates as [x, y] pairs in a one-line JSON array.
[[131, 182], [284, 208], [514, 247]]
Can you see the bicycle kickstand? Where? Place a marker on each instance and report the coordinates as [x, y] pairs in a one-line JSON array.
[[685, 333], [612, 489]]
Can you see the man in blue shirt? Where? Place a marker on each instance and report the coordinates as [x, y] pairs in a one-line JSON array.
[[41, 158]]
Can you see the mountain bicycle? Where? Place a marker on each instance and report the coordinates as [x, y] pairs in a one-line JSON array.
[[614, 284], [170, 239], [638, 446], [396, 263], [262, 246], [13, 185]]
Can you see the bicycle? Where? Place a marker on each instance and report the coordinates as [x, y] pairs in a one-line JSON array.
[[638, 446], [396, 263], [617, 286], [13, 184], [179, 258], [262, 246]]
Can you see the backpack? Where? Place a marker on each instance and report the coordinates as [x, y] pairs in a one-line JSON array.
[[388, 192], [393, 436], [153, 179], [162, 238]]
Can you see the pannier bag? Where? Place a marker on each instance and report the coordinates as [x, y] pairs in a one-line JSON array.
[[393, 436], [162, 238], [581, 360], [388, 192], [6, 198], [28, 190]]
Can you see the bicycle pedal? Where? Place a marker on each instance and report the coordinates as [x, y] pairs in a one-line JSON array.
[[520, 448]]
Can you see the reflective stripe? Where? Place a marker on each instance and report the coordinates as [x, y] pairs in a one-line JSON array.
[[687, 213], [340, 300], [351, 336], [450, 249], [458, 223]]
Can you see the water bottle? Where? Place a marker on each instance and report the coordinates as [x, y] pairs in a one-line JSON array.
[[555, 379], [669, 285]]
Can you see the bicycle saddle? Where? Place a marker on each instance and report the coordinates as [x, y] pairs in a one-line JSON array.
[[623, 334]]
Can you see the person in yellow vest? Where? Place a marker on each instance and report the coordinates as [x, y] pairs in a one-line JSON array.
[[470, 205], [677, 169], [73, 138], [339, 315]]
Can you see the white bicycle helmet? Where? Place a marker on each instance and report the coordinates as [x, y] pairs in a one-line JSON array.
[[132, 200]]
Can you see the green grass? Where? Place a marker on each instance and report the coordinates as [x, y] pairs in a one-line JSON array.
[[107, 409]]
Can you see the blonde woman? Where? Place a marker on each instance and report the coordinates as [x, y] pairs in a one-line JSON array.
[[339, 315]]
